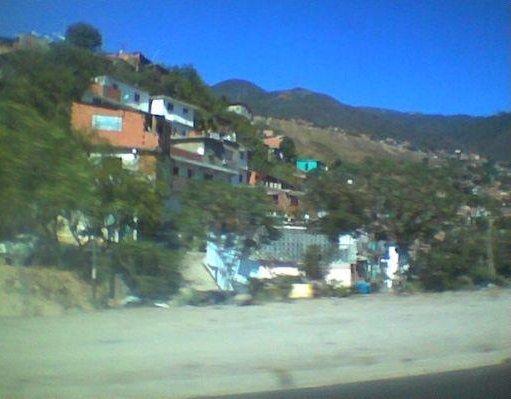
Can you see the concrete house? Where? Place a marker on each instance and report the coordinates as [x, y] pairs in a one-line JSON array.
[[241, 109], [178, 112], [134, 137], [307, 165], [284, 196], [108, 89], [208, 156]]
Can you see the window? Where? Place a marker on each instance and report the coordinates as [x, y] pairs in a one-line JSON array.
[[185, 111], [115, 86], [208, 176], [241, 178], [242, 156], [170, 107], [105, 122], [137, 97], [190, 173], [175, 171]]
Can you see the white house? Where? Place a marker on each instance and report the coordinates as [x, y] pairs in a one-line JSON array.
[[178, 112], [113, 89], [241, 109]]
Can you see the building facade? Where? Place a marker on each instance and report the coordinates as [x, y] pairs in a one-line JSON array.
[[108, 89], [208, 157], [178, 112], [133, 137]]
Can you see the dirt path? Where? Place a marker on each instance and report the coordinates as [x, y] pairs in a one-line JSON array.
[[184, 352]]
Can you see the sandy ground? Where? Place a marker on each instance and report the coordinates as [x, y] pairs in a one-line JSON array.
[[187, 351]]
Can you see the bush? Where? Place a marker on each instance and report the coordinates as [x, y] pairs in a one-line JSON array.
[[464, 282], [151, 272], [276, 289]]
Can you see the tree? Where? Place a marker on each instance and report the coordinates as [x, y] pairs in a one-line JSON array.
[[44, 172], [288, 149], [84, 35], [312, 263], [208, 206]]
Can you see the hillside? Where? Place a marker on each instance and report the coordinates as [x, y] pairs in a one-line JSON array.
[[490, 136], [330, 144], [39, 291]]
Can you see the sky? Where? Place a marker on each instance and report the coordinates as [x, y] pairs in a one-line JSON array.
[[435, 56]]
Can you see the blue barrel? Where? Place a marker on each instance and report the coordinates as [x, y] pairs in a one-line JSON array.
[[362, 287]]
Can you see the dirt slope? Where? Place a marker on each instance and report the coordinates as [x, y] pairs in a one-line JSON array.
[[38, 291], [329, 145]]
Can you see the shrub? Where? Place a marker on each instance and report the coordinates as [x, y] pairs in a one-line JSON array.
[[151, 271]]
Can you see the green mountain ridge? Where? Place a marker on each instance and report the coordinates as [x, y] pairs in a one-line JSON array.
[[490, 136]]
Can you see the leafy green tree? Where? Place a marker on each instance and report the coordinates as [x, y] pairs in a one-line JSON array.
[[312, 263], [151, 271], [44, 171], [346, 205], [288, 149], [222, 208], [84, 35], [49, 81], [127, 198], [459, 260]]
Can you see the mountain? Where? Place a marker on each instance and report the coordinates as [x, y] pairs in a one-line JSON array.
[[490, 136]]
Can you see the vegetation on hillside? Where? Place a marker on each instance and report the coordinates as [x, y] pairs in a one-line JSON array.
[[490, 136], [45, 176]]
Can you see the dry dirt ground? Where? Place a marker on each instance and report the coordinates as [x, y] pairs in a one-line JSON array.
[[187, 351]]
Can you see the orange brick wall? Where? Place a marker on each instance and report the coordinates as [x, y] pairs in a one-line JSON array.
[[132, 134]]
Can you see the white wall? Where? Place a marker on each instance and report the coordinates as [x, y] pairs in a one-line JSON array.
[[128, 93], [176, 115]]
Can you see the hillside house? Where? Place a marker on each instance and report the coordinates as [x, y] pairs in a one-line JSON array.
[[241, 109], [308, 165], [178, 112], [136, 60], [105, 89], [284, 196], [232, 266], [135, 137], [208, 156]]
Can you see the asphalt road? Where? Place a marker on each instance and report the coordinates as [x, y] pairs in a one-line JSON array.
[[493, 382]]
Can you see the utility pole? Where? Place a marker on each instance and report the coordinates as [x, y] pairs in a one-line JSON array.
[[93, 271], [489, 249]]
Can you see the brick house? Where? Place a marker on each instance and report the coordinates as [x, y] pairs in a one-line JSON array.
[[284, 196], [134, 137]]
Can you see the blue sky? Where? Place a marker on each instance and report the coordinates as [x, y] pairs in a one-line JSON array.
[[434, 56]]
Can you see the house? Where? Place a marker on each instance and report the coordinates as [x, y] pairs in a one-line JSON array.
[[284, 196], [307, 165], [208, 156], [273, 144], [178, 112], [136, 60], [105, 89], [25, 41], [241, 109], [135, 137], [232, 266]]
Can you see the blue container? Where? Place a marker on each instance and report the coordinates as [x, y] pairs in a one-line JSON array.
[[363, 288]]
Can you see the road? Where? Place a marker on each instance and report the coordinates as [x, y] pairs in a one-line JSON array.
[[186, 352], [480, 383]]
